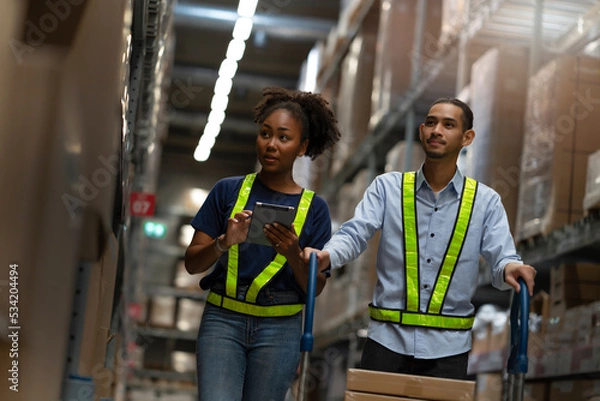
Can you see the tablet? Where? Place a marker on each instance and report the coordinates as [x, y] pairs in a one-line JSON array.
[[264, 213]]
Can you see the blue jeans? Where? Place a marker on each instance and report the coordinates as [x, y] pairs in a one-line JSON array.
[[246, 358]]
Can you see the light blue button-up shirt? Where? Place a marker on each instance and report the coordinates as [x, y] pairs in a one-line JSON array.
[[381, 209]]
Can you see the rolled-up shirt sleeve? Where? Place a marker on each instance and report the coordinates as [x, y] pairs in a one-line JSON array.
[[351, 239], [497, 244]]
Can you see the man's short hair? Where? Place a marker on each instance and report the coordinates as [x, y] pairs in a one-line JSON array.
[[467, 113]]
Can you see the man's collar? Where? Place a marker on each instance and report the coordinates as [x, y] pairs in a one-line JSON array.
[[456, 182]]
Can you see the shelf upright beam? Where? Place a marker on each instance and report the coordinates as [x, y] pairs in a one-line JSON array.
[[76, 386], [536, 38]]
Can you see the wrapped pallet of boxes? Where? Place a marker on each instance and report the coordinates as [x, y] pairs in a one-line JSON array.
[[394, 51], [560, 133], [368, 385], [498, 92], [591, 199], [354, 98]]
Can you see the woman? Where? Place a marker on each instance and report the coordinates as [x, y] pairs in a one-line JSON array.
[[249, 340]]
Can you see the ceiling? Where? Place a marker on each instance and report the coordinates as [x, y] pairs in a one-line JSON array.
[[284, 32]]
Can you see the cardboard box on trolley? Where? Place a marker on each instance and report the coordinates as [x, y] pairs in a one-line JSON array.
[[394, 386]]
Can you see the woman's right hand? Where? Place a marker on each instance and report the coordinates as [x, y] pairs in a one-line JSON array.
[[237, 228]]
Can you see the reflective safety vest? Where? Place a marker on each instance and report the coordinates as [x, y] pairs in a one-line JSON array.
[[411, 315], [249, 306]]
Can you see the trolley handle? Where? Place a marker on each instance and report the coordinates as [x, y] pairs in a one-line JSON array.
[[519, 331], [306, 342]]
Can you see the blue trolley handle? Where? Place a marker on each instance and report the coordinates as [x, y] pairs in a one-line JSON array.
[[519, 331], [306, 343]]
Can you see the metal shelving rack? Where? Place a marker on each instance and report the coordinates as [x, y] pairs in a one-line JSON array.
[[554, 26]]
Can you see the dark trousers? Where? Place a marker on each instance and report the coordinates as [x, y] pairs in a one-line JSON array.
[[377, 357]]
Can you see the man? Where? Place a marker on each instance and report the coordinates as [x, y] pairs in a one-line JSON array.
[[434, 224]]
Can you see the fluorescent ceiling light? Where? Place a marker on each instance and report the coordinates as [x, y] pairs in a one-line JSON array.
[[206, 141], [219, 102], [212, 129], [235, 50], [247, 8], [216, 116], [242, 28], [223, 85], [228, 68], [201, 154]]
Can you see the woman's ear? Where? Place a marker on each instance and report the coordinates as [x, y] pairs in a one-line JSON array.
[[303, 148]]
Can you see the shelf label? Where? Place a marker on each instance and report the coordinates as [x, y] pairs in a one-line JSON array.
[[142, 203]]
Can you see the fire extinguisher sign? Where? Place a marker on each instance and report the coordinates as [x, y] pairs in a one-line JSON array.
[[142, 203]]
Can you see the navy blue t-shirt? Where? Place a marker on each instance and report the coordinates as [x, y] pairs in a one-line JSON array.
[[212, 220]]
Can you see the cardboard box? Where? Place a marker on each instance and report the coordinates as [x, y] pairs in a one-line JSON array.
[[489, 387], [189, 314], [393, 60], [358, 396], [535, 391], [574, 284], [498, 92], [560, 134], [162, 311], [420, 387], [570, 390], [591, 199]]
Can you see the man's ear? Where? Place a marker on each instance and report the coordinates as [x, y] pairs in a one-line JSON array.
[[468, 137]]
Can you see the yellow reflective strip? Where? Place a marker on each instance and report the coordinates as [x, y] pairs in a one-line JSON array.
[[233, 254], [252, 309], [456, 244], [264, 276], [302, 211], [421, 319], [411, 251], [437, 321], [386, 315], [277, 264]]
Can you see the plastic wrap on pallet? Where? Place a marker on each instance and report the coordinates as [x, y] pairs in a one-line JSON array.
[[562, 117], [498, 93], [591, 199]]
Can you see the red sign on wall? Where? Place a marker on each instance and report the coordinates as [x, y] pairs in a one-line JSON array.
[[142, 203]]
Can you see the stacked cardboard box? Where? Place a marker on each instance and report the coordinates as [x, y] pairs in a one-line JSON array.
[[560, 133], [367, 385], [498, 92], [394, 54], [591, 199]]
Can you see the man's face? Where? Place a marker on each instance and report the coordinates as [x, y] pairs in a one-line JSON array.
[[442, 133]]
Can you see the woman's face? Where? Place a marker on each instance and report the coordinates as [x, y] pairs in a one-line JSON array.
[[279, 142]]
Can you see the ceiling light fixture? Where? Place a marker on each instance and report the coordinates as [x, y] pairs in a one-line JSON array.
[[227, 70]]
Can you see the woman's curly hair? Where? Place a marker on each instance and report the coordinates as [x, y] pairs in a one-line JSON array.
[[319, 124]]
